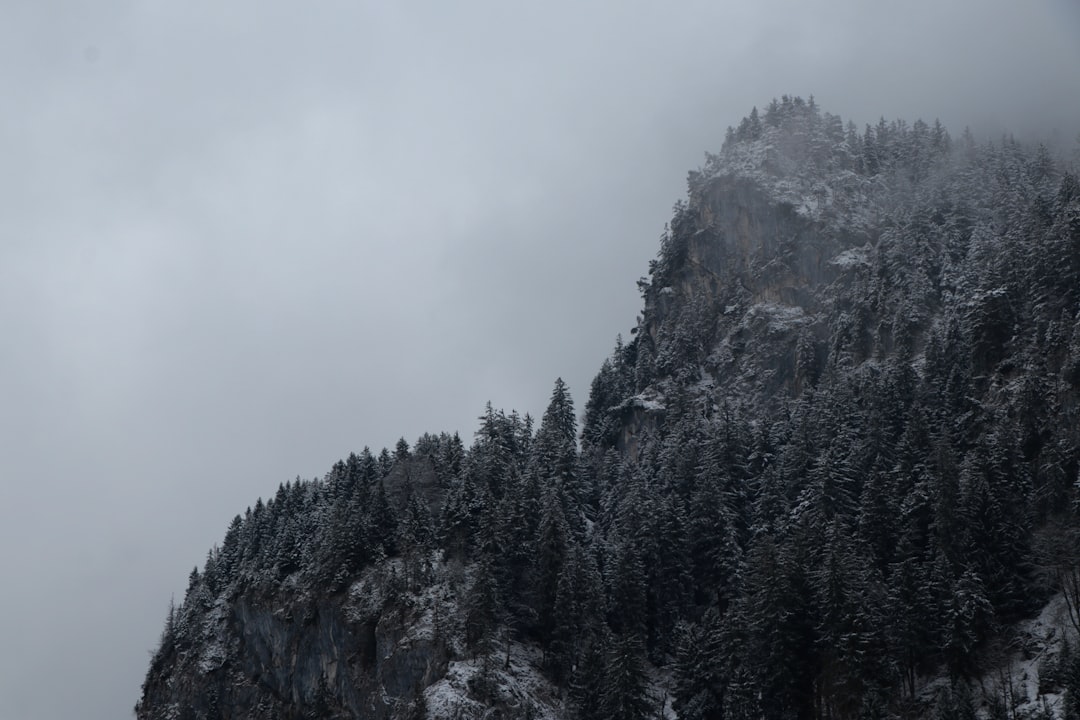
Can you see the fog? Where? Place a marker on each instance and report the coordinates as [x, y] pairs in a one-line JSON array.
[[240, 240]]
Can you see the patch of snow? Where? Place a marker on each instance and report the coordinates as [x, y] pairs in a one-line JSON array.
[[852, 257], [706, 383], [366, 593], [1044, 635], [808, 207], [781, 318], [449, 697], [516, 685], [212, 657], [918, 365], [214, 653], [646, 403], [815, 187], [979, 296], [1017, 676], [661, 690]]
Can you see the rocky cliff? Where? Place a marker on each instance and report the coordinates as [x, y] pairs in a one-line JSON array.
[[287, 654]]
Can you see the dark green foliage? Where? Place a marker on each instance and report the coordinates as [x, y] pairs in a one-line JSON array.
[[588, 681], [554, 453], [1070, 682], [385, 462], [700, 677], [713, 541], [383, 521], [415, 529], [955, 703], [911, 622], [465, 513], [577, 613], [627, 594], [401, 451], [609, 389], [778, 644], [969, 622], [482, 607], [625, 695], [551, 549]]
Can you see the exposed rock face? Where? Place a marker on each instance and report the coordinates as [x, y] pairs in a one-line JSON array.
[[368, 653], [392, 647], [299, 647], [755, 280]]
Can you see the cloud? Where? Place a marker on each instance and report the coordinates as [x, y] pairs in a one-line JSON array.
[[241, 240]]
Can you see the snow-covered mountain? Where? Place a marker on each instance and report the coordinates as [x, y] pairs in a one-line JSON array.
[[832, 474]]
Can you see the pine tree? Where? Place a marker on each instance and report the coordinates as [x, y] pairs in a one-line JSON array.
[[577, 614], [552, 548], [913, 625], [625, 577], [588, 681], [780, 645], [383, 521], [385, 463], [670, 573], [516, 531], [401, 451], [700, 681], [465, 517], [1071, 685], [555, 449], [482, 607], [416, 529], [969, 623], [625, 692]]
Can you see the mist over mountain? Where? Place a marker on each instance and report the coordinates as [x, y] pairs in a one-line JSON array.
[[831, 473]]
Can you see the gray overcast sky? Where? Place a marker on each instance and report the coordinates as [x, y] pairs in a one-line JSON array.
[[241, 239]]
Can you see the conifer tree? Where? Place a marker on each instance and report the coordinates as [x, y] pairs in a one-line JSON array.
[[555, 448], [625, 690], [552, 547], [482, 606], [383, 521], [700, 681]]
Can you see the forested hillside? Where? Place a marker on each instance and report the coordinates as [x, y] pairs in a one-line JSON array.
[[830, 471]]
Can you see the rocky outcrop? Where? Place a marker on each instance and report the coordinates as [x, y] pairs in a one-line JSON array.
[[368, 653], [742, 303]]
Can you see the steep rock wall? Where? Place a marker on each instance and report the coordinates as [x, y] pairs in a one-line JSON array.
[[366, 653], [745, 297]]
